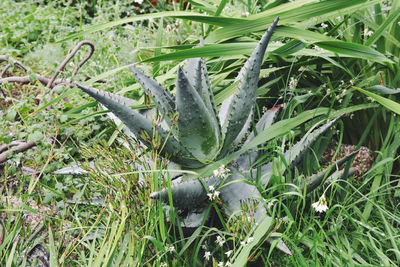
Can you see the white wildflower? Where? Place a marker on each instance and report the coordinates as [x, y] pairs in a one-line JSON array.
[[211, 188], [214, 195], [324, 25], [168, 28], [321, 205], [221, 264], [163, 264], [138, 2], [293, 83], [367, 32], [178, 22], [228, 253], [207, 255], [247, 241], [317, 48], [170, 249], [220, 240], [221, 172]]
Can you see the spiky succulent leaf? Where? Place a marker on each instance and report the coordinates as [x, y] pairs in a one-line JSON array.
[[242, 196], [194, 218], [196, 71], [197, 129], [245, 161], [293, 155], [162, 98], [242, 134], [188, 194], [236, 109], [236, 192], [139, 125], [339, 174], [280, 245], [264, 122], [313, 181]]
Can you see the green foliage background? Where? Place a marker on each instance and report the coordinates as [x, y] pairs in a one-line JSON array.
[[334, 54]]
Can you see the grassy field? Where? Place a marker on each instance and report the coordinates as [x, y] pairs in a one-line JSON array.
[[327, 59]]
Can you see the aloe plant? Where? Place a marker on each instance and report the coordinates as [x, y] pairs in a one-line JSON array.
[[194, 135]]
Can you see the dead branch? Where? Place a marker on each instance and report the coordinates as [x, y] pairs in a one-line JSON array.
[[7, 146], [18, 148], [11, 62], [48, 82], [68, 58], [26, 79]]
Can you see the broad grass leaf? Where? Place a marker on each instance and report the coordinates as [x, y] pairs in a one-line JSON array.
[[386, 102], [353, 50]]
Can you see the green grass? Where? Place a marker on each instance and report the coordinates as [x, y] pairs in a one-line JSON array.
[[321, 59]]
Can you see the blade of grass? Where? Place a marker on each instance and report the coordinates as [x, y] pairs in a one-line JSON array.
[[386, 102], [218, 21], [382, 28], [294, 14], [354, 50], [259, 232], [11, 256], [52, 249]]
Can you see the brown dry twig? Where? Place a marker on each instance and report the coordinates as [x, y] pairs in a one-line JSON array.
[[15, 148], [48, 82], [11, 62], [68, 58], [18, 146]]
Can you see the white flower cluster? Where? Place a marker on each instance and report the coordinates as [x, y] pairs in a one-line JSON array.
[[367, 32], [321, 205], [220, 240], [221, 172], [213, 195], [247, 241], [207, 255], [138, 2], [340, 96], [170, 249], [317, 48], [293, 83]]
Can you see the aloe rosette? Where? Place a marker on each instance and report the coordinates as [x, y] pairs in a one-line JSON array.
[[193, 135]]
